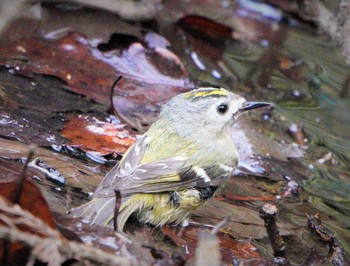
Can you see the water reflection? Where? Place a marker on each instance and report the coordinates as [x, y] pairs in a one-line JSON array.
[[305, 77]]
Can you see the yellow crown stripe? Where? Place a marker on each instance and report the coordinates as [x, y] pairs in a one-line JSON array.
[[207, 93]]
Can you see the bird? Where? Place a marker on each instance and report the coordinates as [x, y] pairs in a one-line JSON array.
[[182, 161]]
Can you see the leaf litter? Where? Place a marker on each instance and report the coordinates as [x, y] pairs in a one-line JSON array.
[[153, 74]]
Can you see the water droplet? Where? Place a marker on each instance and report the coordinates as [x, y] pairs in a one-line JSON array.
[[51, 138], [287, 177], [36, 178], [293, 128], [296, 93], [79, 226], [197, 62], [216, 74], [225, 3], [266, 117], [265, 43]]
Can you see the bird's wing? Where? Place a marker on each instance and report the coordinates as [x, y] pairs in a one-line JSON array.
[[126, 166], [176, 173]]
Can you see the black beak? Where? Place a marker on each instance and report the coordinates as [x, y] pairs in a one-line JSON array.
[[252, 105]]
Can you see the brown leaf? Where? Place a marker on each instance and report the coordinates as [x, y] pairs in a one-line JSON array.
[[30, 197], [84, 71], [30, 127], [247, 22], [205, 28], [229, 247], [92, 134], [151, 76]]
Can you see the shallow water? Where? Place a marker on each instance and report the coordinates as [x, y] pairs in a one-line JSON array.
[[325, 117], [307, 88], [303, 73]]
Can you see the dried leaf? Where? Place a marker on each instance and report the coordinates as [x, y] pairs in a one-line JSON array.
[[85, 68], [151, 76], [91, 134], [229, 247], [30, 197]]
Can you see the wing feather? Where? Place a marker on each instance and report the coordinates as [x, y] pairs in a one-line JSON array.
[[158, 174], [126, 166], [168, 175]]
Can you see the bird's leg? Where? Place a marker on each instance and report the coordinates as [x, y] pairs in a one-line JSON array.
[[185, 223], [200, 224]]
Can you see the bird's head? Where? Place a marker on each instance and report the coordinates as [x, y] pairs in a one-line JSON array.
[[212, 109]]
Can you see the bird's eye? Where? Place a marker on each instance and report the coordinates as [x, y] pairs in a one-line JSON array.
[[222, 108]]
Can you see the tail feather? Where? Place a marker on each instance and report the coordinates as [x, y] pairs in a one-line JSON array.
[[126, 212], [100, 211]]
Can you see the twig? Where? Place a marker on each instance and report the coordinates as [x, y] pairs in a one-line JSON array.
[[17, 197], [23, 174], [344, 93], [118, 200], [15, 215], [57, 247], [268, 213], [112, 93], [46, 244], [336, 254]]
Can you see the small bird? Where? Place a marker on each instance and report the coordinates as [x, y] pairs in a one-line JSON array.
[[177, 165]]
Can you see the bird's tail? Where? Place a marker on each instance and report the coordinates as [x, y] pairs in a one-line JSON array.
[[100, 211]]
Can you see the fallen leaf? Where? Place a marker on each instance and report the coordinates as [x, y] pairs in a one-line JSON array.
[[91, 134], [22, 191], [229, 247], [151, 76], [247, 21], [85, 70]]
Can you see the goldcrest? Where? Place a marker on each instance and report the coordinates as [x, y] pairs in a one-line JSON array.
[[177, 165]]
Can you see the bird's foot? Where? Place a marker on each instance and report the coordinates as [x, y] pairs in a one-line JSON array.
[[209, 226]]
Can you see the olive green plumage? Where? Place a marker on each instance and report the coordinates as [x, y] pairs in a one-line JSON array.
[[177, 165]]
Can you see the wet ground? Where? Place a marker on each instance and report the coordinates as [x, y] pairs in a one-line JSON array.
[[56, 80]]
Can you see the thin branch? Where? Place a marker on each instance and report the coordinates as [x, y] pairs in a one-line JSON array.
[[23, 175], [118, 201], [269, 213], [54, 248], [323, 234], [112, 93], [46, 243], [15, 215]]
